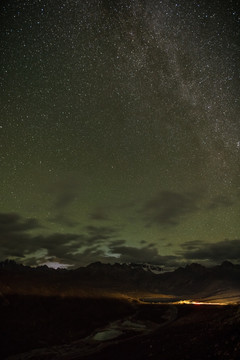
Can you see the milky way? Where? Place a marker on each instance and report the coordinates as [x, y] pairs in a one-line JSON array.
[[119, 131]]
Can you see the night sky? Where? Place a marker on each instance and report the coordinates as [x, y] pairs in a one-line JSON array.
[[119, 132]]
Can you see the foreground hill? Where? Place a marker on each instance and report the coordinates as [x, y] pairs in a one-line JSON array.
[[68, 328], [51, 314]]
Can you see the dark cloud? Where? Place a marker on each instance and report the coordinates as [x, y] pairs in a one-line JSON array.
[[65, 198], [13, 234], [55, 242], [105, 231], [16, 242], [116, 243], [219, 201], [83, 258], [99, 214], [216, 252], [88, 256], [22, 245], [64, 220], [127, 205], [145, 254], [151, 245], [99, 233], [191, 245], [66, 191], [11, 223], [168, 207], [77, 249]]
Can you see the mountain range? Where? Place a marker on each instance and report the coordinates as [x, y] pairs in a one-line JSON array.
[[222, 281]]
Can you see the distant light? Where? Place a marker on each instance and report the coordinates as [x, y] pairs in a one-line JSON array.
[[56, 265], [191, 302]]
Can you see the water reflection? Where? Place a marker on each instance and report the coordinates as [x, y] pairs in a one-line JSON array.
[[107, 335]]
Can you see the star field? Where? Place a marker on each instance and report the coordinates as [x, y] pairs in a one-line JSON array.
[[119, 131]]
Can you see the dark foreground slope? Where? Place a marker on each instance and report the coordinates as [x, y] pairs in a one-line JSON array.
[[29, 322], [56, 314], [57, 329], [198, 333]]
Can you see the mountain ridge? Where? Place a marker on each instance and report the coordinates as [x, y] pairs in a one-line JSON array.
[[119, 278]]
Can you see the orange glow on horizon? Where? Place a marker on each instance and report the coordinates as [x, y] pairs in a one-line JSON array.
[[191, 302]]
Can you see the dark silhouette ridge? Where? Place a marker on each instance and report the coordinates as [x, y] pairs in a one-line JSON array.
[[124, 278]]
